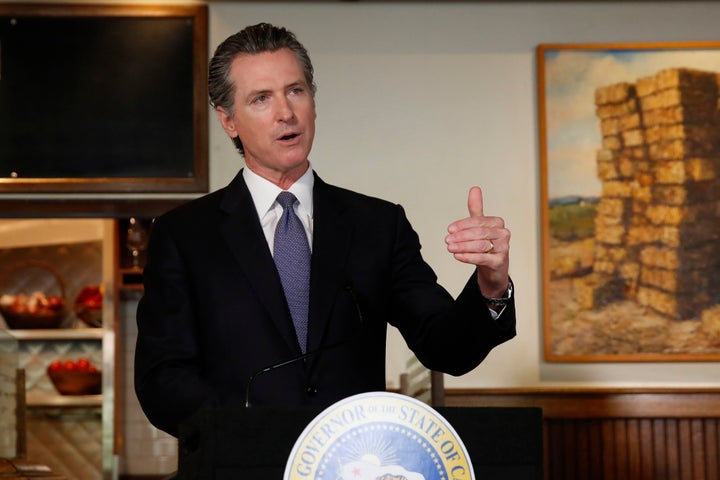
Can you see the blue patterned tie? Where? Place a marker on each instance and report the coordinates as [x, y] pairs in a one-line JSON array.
[[292, 259]]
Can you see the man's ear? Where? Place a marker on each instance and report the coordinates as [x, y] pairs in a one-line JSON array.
[[227, 121]]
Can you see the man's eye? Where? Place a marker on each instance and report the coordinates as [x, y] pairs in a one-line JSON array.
[[260, 99], [296, 91]]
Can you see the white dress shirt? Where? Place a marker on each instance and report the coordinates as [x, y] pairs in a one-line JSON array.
[[264, 194]]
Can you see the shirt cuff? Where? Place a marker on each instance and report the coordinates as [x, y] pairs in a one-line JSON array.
[[496, 315]]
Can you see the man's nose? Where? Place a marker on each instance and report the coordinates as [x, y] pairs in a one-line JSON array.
[[285, 111]]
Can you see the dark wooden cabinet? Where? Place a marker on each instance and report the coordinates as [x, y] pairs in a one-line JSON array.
[[619, 434]]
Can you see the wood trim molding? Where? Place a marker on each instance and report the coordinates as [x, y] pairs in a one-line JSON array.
[[597, 402], [87, 208]]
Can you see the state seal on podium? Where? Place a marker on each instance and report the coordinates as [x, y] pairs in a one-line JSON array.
[[379, 436]]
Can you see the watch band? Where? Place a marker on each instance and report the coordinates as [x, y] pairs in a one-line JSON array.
[[502, 301]]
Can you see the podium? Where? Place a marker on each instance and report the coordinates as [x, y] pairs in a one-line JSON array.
[[254, 443]]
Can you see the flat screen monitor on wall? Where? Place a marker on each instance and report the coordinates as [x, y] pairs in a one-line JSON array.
[[103, 98]]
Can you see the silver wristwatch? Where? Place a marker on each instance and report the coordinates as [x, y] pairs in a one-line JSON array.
[[502, 301]]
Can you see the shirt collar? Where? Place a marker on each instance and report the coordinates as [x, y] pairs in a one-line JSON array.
[[264, 192]]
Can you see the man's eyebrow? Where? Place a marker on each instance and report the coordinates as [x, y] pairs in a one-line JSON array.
[[296, 84], [266, 91], [260, 91]]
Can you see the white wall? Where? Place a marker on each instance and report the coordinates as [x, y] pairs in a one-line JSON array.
[[419, 101]]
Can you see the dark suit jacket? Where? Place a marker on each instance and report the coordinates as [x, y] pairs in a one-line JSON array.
[[213, 312]]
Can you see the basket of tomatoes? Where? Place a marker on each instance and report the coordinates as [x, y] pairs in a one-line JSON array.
[[34, 296], [79, 377]]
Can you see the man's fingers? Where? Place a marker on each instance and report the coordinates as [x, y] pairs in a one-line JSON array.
[[475, 202]]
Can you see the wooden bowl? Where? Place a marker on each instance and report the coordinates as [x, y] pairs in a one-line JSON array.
[[91, 316], [32, 320], [76, 382]]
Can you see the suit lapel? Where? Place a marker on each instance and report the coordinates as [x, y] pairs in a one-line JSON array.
[[245, 238], [332, 234]]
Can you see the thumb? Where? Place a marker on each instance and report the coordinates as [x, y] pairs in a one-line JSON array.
[[475, 202]]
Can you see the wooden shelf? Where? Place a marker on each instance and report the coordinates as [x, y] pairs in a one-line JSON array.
[[46, 399], [58, 334]]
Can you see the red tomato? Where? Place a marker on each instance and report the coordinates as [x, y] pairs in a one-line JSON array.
[[91, 368], [83, 364], [69, 365], [93, 303], [55, 366]]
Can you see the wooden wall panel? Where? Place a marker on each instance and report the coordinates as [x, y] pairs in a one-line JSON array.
[[632, 449], [664, 434], [711, 445]]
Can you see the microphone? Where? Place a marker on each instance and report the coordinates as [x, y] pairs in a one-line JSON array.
[[323, 348]]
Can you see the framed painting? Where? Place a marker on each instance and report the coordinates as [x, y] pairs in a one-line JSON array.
[[630, 207], [117, 104]]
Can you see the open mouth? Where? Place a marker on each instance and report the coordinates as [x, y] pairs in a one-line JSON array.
[[289, 136]]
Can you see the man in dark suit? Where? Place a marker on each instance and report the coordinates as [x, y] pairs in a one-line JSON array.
[[215, 312]]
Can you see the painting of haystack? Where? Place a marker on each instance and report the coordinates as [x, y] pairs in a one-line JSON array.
[[631, 202]]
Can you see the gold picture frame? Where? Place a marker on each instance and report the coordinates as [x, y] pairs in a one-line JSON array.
[[630, 207]]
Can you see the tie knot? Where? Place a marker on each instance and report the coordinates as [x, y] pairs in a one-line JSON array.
[[286, 199]]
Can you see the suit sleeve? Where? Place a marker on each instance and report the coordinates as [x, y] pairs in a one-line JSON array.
[[168, 383], [446, 334]]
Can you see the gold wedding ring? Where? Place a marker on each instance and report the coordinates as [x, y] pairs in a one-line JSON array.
[[492, 247]]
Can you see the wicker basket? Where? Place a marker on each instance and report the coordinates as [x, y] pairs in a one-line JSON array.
[[25, 276]]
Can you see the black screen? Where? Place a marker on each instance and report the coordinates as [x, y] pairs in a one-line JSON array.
[[96, 97]]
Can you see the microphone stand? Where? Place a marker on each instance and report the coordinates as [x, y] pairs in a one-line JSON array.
[[290, 361], [248, 387]]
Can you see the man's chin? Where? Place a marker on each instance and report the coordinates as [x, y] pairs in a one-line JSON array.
[[295, 158]]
